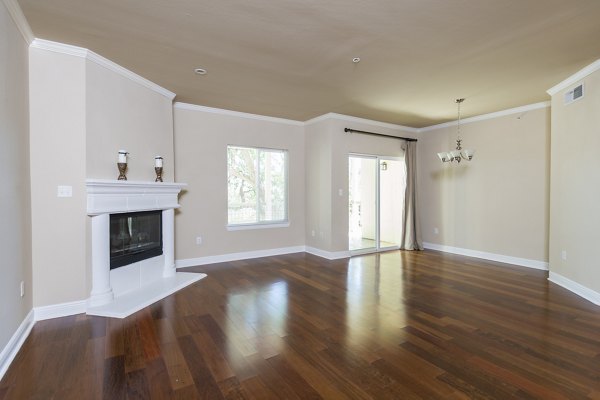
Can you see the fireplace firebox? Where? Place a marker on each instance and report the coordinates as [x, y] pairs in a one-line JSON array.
[[135, 237]]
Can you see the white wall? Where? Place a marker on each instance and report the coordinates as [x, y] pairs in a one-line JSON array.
[[575, 186], [57, 92], [122, 114], [328, 148], [318, 185], [201, 139], [497, 203], [15, 226], [83, 110]]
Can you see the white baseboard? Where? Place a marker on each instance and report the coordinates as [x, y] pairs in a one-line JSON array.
[[191, 262], [60, 310], [575, 287], [16, 341], [524, 262], [330, 255]]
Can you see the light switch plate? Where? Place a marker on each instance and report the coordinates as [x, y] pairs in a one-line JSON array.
[[64, 191]]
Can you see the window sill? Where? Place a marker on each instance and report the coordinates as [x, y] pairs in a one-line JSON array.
[[245, 227]]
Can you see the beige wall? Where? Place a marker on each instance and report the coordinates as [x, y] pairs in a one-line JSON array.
[[57, 92], [318, 185], [15, 226], [575, 186], [82, 113], [328, 148], [201, 140], [497, 203], [122, 114]]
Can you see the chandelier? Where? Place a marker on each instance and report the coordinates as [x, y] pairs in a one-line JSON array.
[[460, 153]]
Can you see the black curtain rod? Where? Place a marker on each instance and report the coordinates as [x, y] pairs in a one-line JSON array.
[[380, 134]]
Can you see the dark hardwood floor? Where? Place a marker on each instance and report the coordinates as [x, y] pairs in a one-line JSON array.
[[400, 325]]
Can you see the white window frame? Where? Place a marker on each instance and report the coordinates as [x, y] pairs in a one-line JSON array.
[[283, 223]]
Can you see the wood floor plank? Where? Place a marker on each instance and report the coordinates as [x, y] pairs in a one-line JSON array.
[[398, 325]]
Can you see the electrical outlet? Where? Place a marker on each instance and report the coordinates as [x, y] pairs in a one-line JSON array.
[[312, 233], [563, 254], [22, 288], [436, 231], [340, 192], [198, 240]]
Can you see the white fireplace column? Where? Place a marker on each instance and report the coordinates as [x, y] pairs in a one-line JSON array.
[[101, 290], [168, 238]]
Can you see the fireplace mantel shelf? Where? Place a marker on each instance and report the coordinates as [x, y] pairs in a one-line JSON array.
[[113, 196]]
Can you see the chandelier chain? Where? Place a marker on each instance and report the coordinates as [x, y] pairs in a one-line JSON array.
[[458, 101]]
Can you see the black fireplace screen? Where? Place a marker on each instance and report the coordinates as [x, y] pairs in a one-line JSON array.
[[135, 237]]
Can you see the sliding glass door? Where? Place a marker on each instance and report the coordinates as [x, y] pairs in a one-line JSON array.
[[376, 202]]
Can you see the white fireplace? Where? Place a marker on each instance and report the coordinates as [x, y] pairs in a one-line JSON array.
[[123, 291]]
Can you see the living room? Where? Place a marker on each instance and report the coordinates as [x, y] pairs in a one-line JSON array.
[[527, 198]]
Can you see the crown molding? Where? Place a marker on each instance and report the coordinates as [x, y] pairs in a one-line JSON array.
[[576, 77], [358, 120], [239, 114], [483, 117], [103, 62], [19, 18]]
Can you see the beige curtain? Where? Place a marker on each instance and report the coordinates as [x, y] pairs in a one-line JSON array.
[[411, 229]]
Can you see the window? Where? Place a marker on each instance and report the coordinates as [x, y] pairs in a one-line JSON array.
[[257, 187]]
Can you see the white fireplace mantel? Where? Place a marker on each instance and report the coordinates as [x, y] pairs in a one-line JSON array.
[[105, 197], [111, 196]]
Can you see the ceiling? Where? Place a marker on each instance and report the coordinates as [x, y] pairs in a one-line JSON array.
[[293, 59]]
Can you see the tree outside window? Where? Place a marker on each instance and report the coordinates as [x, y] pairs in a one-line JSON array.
[[256, 185]]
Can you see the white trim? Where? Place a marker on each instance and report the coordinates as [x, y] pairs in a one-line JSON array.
[[103, 62], [358, 120], [576, 77], [524, 262], [61, 48], [330, 255], [246, 227], [114, 196], [239, 114], [192, 262], [575, 287], [60, 310], [19, 18], [348, 118], [483, 117], [8, 354]]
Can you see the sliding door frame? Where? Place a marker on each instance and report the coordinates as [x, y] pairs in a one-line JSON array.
[[377, 247]]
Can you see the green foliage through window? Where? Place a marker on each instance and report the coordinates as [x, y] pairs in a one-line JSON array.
[[256, 185]]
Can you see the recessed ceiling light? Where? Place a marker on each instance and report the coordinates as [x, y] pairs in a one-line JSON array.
[[356, 60], [200, 71]]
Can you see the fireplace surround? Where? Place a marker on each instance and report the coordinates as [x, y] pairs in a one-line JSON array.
[[122, 291]]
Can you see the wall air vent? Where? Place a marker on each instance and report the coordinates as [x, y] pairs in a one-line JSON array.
[[574, 94]]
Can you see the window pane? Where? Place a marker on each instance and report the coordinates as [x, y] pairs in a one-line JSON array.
[[241, 185], [256, 185], [273, 186]]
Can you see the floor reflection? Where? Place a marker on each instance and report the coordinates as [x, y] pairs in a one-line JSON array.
[[374, 298], [257, 318]]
